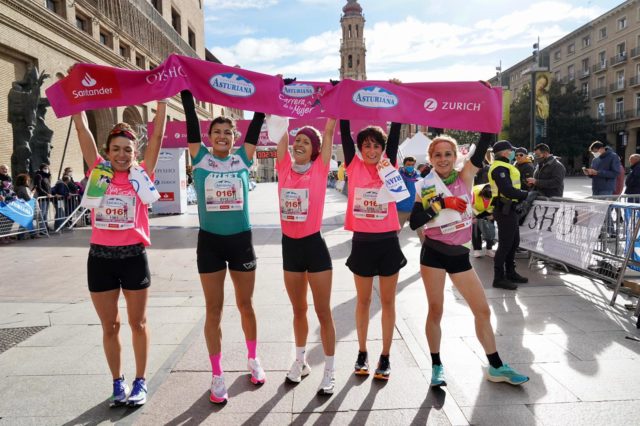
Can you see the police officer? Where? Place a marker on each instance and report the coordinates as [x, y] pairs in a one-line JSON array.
[[504, 179]]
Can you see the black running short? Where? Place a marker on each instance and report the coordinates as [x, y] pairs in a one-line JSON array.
[[452, 263], [216, 251], [375, 254], [111, 268], [307, 254]]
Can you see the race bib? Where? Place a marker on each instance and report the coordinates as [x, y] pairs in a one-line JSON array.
[[294, 204], [456, 226], [365, 205], [117, 212], [223, 193]]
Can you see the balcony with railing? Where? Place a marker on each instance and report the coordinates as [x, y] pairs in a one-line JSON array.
[[584, 73], [616, 87], [599, 67], [620, 58], [599, 92], [143, 23], [634, 81], [621, 115], [635, 52]]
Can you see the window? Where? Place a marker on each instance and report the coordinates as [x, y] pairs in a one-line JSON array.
[[600, 83], [585, 88], [175, 21], [619, 108], [585, 66], [82, 23], [125, 51], [620, 79], [621, 50], [357, 30], [56, 6], [350, 61], [571, 49], [157, 4], [192, 38], [601, 111], [139, 61], [152, 66], [603, 33], [556, 55], [637, 104], [556, 76], [106, 38], [622, 23], [571, 72], [349, 31], [586, 41], [602, 59]]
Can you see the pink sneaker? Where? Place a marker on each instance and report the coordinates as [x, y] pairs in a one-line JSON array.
[[218, 390]]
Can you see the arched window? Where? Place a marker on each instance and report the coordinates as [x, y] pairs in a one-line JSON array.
[[357, 33], [350, 61], [349, 30]]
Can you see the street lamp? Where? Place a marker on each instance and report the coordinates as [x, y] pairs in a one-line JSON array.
[[535, 67]]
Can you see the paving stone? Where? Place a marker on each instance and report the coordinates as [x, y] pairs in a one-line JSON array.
[[506, 415], [619, 413], [422, 416]]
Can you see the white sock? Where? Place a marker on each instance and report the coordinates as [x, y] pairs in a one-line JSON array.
[[300, 352], [328, 362]]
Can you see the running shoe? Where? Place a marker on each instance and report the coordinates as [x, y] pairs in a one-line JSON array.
[[384, 368], [257, 372], [328, 383], [437, 376], [297, 371], [138, 394], [478, 253], [218, 390], [506, 374], [362, 364], [491, 253], [120, 391]]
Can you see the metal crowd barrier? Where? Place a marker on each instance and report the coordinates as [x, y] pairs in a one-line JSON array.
[[612, 258], [9, 228]]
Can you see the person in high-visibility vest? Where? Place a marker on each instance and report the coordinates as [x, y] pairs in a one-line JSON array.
[[504, 179], [482, 228]]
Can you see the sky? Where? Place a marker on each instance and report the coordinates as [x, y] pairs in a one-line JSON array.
[[412, 40]]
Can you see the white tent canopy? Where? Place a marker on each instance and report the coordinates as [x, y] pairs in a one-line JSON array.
[[415, 147]]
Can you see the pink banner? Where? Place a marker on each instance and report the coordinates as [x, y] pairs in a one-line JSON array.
[[454, 105], [175, 135]]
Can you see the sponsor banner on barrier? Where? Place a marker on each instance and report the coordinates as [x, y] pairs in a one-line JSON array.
[[20, 211], [466, 105], [171, 182], [564, 231]]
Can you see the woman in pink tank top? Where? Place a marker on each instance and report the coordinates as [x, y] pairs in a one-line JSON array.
[[446, 213], [302, 186], [117, 255]]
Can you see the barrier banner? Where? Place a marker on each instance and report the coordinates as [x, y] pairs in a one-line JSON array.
[[564, 231], [456, 105], [632, 241], [20, 211]]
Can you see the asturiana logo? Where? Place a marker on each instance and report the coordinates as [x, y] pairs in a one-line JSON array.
[[298, 90], [232, 85], [88, 81], [375, 97]]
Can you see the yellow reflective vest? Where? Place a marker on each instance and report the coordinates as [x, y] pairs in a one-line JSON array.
[[480, 205], [514, 175]]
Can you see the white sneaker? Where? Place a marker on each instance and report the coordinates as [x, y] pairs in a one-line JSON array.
[[328, 383], [218, 390], [491, 253], [478, 253], [297, 371], [257, 372]]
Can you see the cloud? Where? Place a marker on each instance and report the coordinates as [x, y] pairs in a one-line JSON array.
[[239, 4], [238, 30]]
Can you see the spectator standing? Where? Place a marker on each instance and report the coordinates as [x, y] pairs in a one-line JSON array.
[[74, 188], [604, 169], [4, 175], [42, 187], [620, 178], [548, 176], [524, 166], [23, 187], [410, 176], [633, 178], [62, 192]]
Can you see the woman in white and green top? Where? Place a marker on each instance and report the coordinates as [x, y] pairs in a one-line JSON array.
[[224, 241]]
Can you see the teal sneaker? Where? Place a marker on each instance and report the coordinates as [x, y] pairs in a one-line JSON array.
[[437, 376], [506, 374]]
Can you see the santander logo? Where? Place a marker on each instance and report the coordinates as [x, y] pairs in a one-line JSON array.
[[88, 81]]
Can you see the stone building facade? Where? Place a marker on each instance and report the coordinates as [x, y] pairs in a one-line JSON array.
[[133, 34]]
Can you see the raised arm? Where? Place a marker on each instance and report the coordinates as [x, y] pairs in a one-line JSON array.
[[327, 140], [283, 147], [471, 167], [253, 134], [193, 124], [87, 143], [155, 141], [393, 140], [348, 147]]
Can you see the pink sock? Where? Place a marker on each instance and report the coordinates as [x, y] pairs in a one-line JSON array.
[[216, 364], [251, 347]]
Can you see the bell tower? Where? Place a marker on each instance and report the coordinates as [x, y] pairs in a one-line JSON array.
[[352, 49]]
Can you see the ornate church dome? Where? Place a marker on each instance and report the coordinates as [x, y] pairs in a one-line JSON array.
[[352, 8]]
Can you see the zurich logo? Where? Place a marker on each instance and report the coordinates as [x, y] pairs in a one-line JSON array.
[[88, 81], [233, 85], [430, 105], [298, 90], [375, 97]]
